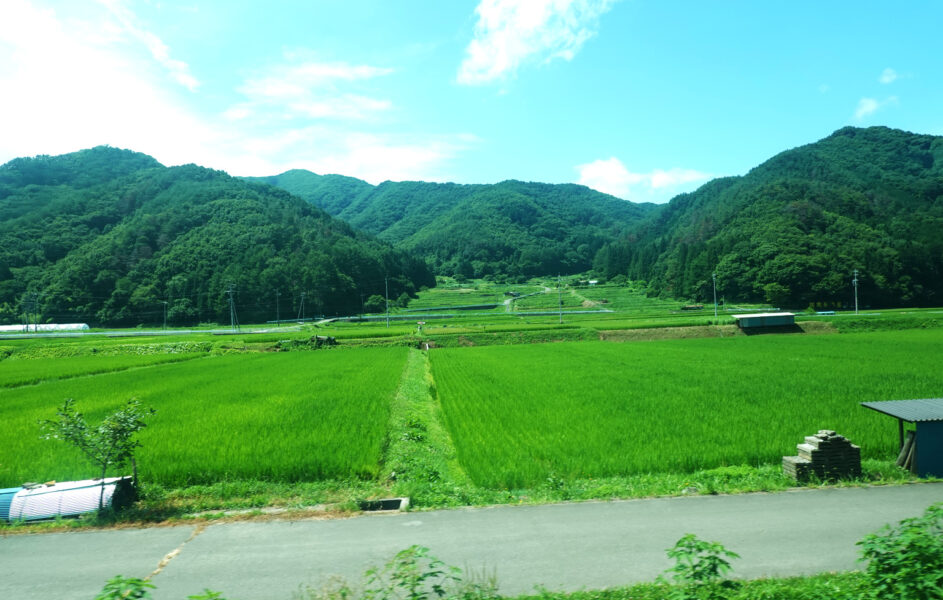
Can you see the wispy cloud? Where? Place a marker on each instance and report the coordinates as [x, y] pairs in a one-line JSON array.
[[309, 89], [889, 75], [610, 176], [511, 33], [324, 148], [869, 106], [179, 70]]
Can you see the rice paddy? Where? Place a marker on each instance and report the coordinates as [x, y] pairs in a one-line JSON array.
[[278, 417], [16, 372], [520, 415]]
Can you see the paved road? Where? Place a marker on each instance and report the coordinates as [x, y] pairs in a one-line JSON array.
[[563, 546]]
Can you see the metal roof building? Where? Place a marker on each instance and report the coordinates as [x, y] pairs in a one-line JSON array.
[[927, 415], [780, 319]]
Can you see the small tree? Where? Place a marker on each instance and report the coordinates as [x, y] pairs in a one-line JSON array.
[[112, 443]]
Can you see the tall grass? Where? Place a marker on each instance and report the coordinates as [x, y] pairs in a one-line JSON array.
[[523, 415], [278, 417]]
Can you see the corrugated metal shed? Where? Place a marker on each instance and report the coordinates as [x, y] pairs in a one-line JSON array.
[[6, 498], [927, 414], [779, 319], [67, 499], [912, 411]]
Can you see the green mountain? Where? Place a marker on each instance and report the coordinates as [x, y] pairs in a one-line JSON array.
[[108, 236], [793, 230], [510, 229]]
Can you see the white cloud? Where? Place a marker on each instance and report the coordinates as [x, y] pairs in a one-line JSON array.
[[510, 33], [309, 90], [372, 157], [869, 106], [889, 75], [81, 83], [179, 70], [610, 176], [77, 87]]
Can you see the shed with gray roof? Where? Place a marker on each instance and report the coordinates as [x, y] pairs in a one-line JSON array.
[[927, 416]]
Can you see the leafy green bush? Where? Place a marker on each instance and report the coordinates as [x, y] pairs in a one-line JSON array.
[[906, 561], [126, 588], [699, 570]]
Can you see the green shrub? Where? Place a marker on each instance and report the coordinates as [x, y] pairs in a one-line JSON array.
[[699, 570], [906, 561]]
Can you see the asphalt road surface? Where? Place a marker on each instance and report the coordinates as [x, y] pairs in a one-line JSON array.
[[561, 547]]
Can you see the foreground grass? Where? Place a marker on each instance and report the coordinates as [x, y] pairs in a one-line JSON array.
[[161, 505], [827, 586]]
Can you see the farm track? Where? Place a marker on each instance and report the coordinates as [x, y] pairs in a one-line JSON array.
[[562, 547]]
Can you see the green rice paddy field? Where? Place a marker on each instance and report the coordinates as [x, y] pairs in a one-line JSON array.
[[520, 415], [270, 416], [517, 415], [16, 372]]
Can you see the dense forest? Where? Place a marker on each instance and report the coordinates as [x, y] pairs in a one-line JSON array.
[[793, 230], [111, 237], [507, 231]]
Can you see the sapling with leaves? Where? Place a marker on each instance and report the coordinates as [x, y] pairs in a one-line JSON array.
[[111, 444]]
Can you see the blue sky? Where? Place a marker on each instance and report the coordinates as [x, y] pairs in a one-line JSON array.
[[643, 99]]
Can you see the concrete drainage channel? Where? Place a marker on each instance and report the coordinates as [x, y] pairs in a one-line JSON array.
[[379, 505], [384, 504]]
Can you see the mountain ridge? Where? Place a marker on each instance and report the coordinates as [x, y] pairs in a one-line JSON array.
[[793, 230], [114, 251], [512, 229]]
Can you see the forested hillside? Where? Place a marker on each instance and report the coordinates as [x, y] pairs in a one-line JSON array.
[[510, 230], [793, 230], [108, 236]]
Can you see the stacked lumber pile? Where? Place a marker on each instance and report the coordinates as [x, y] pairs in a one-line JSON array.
[[827, 455]]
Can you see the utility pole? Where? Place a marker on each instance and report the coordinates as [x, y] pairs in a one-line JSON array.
[[277, 313], [233, 321], [386, 285], [855, 283], [361, 305], [301, 309], [560, 299], [164, 302], [714, 277], [26, 307], [30, 303]]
